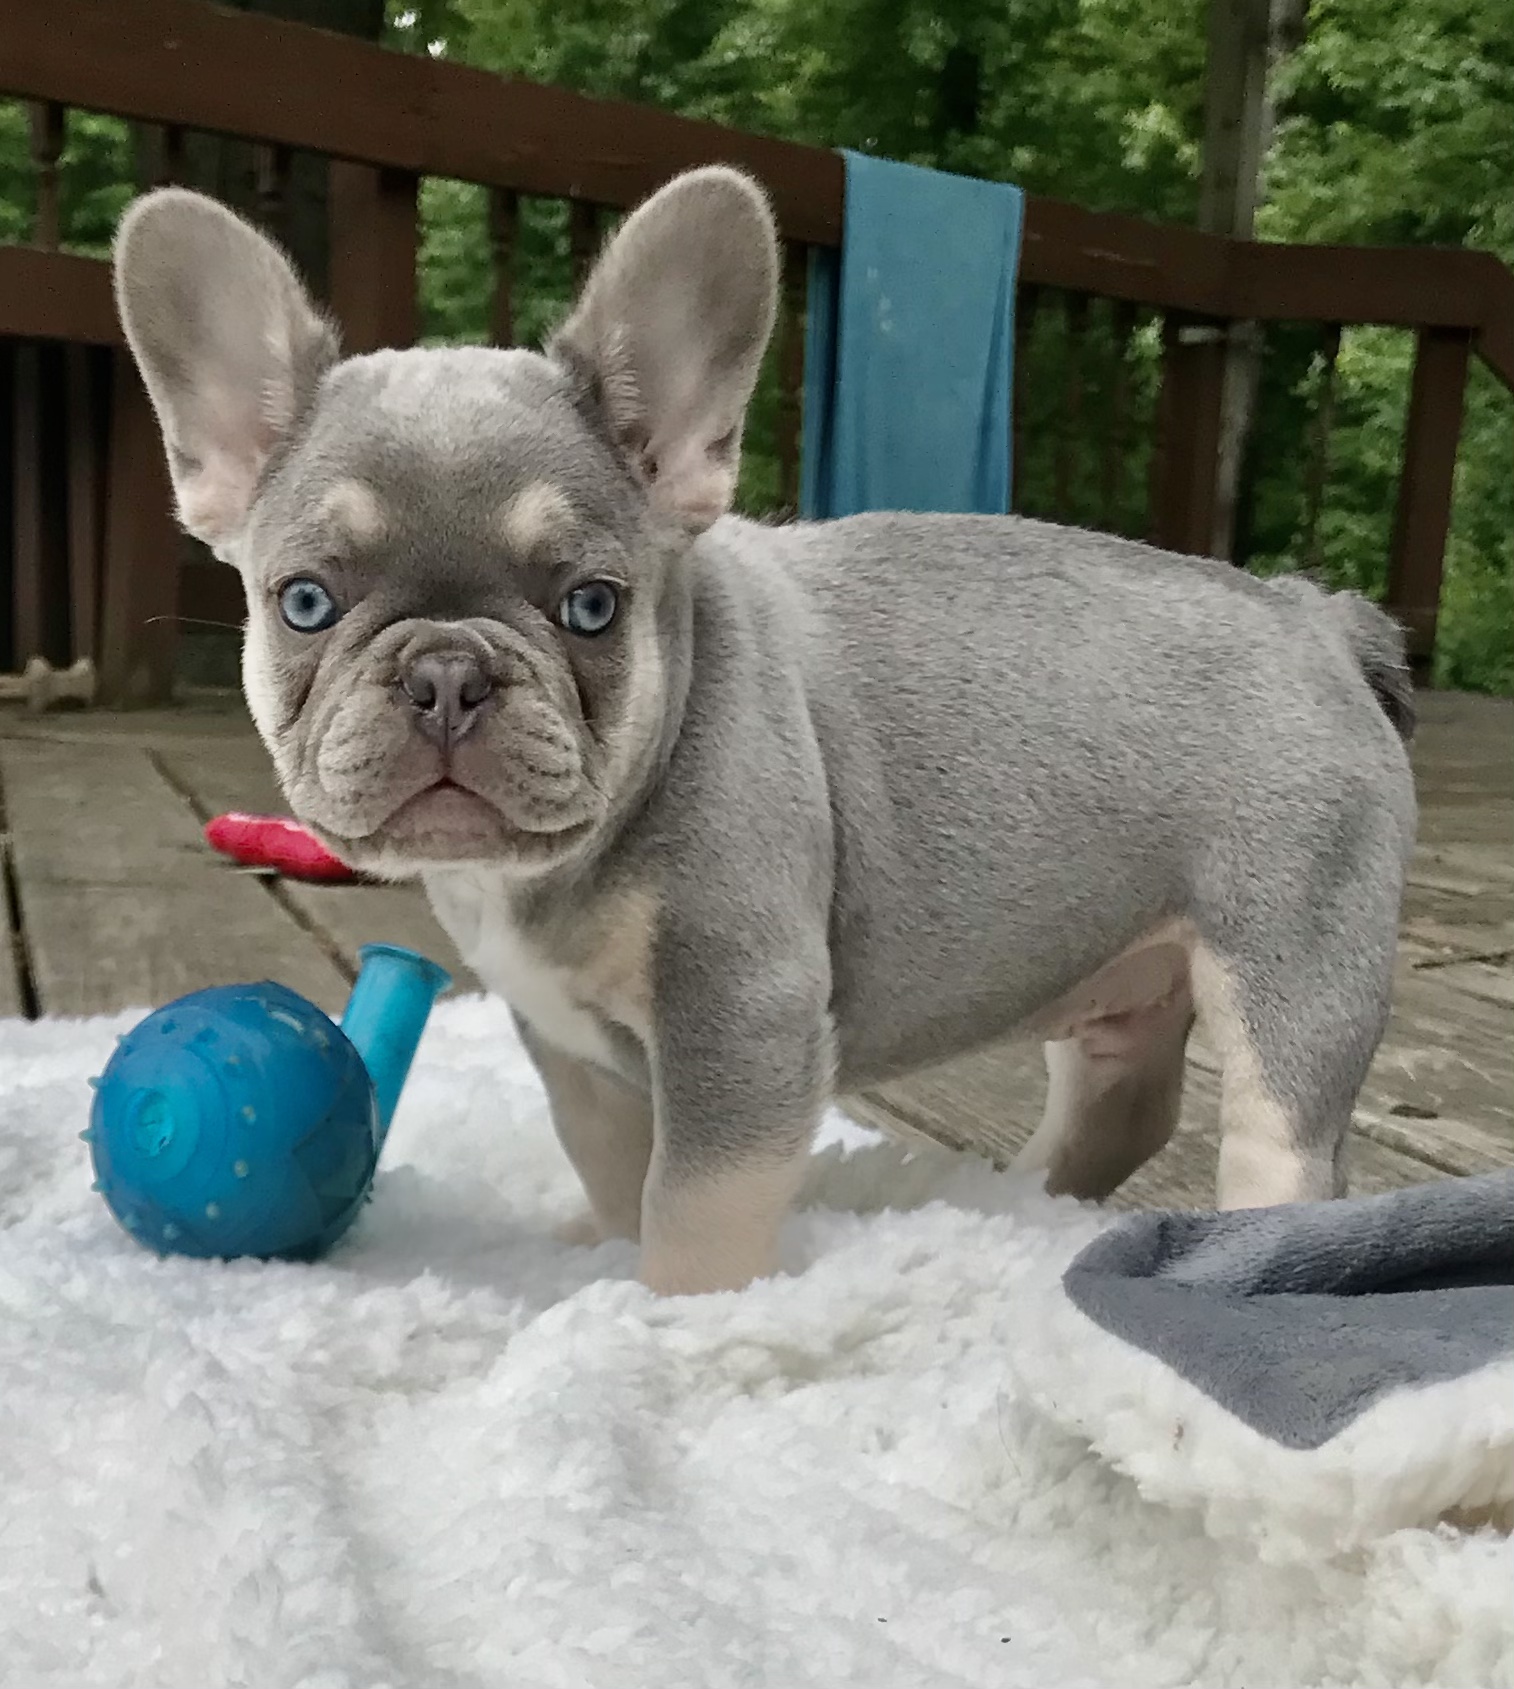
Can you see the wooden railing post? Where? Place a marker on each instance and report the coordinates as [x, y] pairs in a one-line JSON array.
[[374, 240], [1027, 304], [49, 128], [85, 496], [1426, 482], [795, 299], [138, 623], [1186, 464], [29, 564], [504, 231], [583, 240], [1112, 470]]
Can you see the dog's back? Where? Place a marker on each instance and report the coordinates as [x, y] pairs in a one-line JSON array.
[[1042, 745]]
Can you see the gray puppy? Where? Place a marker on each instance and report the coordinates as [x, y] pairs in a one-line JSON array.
[[736, 816]]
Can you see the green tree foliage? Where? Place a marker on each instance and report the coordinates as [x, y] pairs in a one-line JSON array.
[[1399, 127], [95, 178]]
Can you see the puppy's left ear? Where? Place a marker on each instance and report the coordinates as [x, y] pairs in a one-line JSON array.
[[669, 334]]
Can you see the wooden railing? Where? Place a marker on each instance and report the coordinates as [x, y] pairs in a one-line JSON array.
[[90, 565]]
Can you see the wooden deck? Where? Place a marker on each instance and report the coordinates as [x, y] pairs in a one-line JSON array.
[[113, 901]]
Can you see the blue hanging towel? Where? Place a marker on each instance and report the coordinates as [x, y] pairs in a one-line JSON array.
[[909, 347]]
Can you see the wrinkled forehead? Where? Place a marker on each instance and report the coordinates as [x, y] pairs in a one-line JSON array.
[[479, 446]]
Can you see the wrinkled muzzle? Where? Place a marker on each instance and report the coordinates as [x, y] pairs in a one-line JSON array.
[[438, 732]]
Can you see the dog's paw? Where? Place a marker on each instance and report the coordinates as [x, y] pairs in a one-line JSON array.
[[583, 1230]]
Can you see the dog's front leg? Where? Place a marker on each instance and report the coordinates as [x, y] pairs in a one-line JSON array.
[[742, 1076]]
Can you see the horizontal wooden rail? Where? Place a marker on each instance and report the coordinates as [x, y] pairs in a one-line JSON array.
[[56, 296], [199, 66], [192, 65]]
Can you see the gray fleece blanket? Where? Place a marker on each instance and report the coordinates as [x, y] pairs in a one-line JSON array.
[[1314, 1374]]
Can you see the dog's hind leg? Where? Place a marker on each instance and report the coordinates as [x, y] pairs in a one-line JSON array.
[[1292, 979], [1290, 1074], [1114, 1092]]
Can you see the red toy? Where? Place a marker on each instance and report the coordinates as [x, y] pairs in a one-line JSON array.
[[273, 841]]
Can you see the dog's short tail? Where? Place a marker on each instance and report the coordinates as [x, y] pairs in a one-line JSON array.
[[1374, 639]]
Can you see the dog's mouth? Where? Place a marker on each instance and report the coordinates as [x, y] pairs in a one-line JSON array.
[[450, 822], [447, 820], [444, 797]]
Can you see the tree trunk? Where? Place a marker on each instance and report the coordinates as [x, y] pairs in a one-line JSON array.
[[1246, 40]]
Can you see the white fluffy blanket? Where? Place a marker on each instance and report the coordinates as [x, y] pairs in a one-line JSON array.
[[461, 1453]]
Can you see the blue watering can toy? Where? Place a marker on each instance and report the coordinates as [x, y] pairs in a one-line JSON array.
[[243, 1121]]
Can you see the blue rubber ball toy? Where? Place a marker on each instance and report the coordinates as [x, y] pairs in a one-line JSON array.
[[243, 1121]]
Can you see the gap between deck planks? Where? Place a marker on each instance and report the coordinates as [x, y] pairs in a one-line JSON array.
[[12, 998]]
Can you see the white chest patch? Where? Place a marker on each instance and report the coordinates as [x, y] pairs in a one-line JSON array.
[[475, 911]]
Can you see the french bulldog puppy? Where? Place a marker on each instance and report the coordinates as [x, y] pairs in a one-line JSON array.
[[737, 816]]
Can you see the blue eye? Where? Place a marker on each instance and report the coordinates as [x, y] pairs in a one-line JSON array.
[[589, 609], [307, 607]]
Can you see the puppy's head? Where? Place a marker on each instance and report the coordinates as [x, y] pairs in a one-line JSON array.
[[464, 569]]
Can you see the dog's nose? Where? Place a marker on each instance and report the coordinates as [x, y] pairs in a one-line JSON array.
[[447, 691]]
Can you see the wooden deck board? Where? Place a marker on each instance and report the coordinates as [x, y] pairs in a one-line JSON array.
[[120, 903], [1440, 1097], [124, 905], [991, 1101], [222, 777]]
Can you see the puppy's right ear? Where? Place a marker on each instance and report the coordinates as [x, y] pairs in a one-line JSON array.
[[229, 345]]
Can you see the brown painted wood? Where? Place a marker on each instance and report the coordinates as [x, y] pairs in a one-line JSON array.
[[272, 169], [504, 231], [791, 372], [583, 240], [1117, 427], [1069, 434], [85, 490], [374, 244], [139, 601], [1193, 362], [189, 65], [1027, 304], [1121, 257], [1317, 474], [39, 544], [1422, 517], [211, 592], [162, 160], [56, 296], [28, 559], [206, 68], [549, 141], [1117, 256], [1396, 286], [48, 121]]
